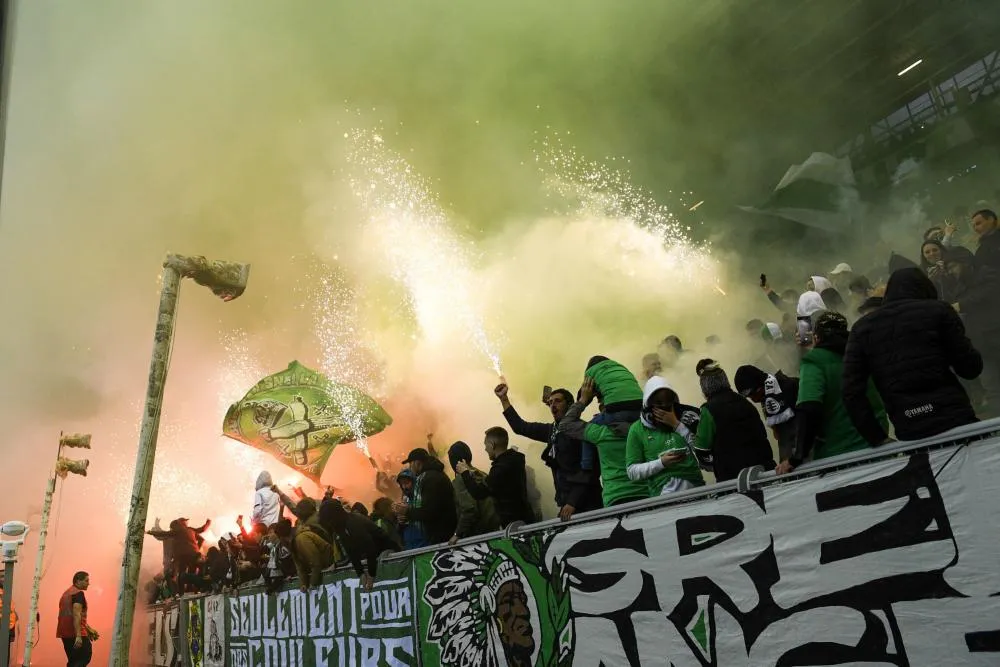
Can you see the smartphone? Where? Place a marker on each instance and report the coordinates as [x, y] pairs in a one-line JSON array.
[[804, 333], [763, 280], [546, 394]]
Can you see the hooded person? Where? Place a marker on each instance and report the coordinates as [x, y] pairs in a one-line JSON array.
[[656, 450], [777, 395], [411, 533], [911, 348], [622, 400], [824, 427], [897, 262], [780, 352], [433, 506], [266, 503], [730, 435], [576, 489], [809, 304], [818, 284], [476, 516]]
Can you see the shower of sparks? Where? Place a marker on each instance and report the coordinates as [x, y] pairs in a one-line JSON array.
[[239, 372], [594, 189], [175, 482], [346, 355], [420, 249]]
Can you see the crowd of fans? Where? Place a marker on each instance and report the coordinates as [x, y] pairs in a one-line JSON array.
[[842, 366]]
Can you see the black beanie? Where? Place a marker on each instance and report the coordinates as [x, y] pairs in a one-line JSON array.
[[749, 378], [459, 452]]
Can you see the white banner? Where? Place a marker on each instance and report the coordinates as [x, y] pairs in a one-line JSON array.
[[215, 631], [895, 562]]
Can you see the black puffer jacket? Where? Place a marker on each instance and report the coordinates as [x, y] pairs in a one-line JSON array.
[[911, 347]]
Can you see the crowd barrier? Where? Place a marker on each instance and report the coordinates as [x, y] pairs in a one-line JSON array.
[[886, 557]]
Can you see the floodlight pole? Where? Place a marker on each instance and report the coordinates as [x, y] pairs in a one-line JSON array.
[[50, 490], [36, 584], [9, 558], [227, 280], [8, 17]]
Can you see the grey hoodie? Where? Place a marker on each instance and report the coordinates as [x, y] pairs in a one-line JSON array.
[[266, 504]]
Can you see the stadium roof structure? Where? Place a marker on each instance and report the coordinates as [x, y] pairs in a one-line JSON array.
[[789, 78]]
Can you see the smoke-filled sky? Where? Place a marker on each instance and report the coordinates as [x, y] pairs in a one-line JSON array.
[[257, 132]]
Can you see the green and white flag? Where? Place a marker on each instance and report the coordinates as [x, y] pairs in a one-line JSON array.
[[299, 416], [821, 192]]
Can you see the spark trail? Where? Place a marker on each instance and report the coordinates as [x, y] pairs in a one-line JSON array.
[[418, 246], [596, 189]]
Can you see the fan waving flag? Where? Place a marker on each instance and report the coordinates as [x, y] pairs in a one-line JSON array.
[[299, 416]]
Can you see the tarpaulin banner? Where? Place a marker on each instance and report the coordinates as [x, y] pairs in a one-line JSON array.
[[890, 562], [337, 623]]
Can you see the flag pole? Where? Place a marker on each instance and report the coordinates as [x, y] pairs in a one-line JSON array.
[[50, 490], [227, 280]]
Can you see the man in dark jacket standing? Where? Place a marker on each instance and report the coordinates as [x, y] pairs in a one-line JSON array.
[[577, 490], [433, 504], [984, 224], [507, 480], [976, 298], [912, 348]]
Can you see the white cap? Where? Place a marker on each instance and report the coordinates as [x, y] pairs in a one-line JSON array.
[[842, 268]]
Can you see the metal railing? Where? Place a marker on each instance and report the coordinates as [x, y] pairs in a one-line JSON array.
[[961, 435]]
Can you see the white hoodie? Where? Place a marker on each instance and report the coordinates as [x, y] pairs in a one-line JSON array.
[[809, 303], [639, 471], [266, 504], [821, 283]]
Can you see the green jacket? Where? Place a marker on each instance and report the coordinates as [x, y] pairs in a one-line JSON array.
[[312, 553], [475, 517], [820, 381], [610, 443], [615, 382], [642, 453]]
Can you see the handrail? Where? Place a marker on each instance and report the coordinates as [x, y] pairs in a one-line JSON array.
[[959, 435], [956, 436]]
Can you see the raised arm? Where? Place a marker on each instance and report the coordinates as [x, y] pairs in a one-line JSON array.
[[537, 431]]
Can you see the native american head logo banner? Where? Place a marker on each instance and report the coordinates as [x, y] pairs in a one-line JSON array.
[[299, 416], [496, 603]]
